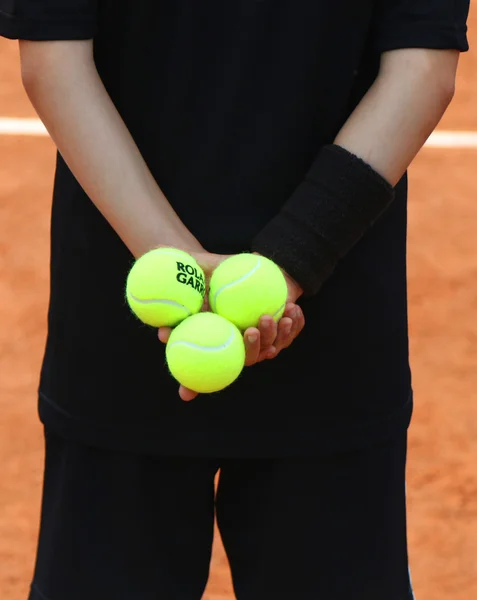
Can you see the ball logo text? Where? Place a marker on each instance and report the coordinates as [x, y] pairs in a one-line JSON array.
[[188, 275]]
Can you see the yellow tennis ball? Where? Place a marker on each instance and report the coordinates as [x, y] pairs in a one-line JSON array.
[[205, 353], [245, 287], [165, 286]]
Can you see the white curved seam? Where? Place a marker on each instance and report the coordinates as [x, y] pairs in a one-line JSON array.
[[239, 280], [158, 301], [206, 348], [281, 308]]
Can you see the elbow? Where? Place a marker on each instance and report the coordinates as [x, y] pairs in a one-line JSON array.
[[29, 72], [431, 71], [34, 66], [443, 89], [47, 64], [30, 81], [446, 89]]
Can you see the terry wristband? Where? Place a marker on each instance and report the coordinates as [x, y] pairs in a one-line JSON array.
[[330, 211]]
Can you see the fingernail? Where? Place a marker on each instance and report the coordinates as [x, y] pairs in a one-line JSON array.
[[271, 353], [252, 339], [266, 324]]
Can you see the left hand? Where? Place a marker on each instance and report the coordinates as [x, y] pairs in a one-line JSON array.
[[262, 342], [273, 337]]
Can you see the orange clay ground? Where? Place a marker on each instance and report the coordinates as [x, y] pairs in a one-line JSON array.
[[442, 467]]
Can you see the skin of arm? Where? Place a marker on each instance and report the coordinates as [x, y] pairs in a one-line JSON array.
[[65, 89], [387, 129], [401, 109]]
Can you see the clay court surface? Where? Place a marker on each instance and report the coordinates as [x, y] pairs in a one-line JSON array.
[[442, 467]]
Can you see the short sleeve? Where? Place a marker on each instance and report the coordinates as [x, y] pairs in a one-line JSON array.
[[41, 20], [434, 24]]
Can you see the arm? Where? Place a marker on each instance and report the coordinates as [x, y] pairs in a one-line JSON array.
[[402, 108], [350, 184], [64, 87]]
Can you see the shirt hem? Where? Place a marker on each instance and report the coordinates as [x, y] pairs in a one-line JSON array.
[[425, 36], [17, 28], [170, 438]]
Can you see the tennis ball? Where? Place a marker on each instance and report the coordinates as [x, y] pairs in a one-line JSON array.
[[205, 353], [245, 287], [164, 287]]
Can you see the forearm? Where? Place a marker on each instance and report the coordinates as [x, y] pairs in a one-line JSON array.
[[350, 184], [68, 95], [400, 111]]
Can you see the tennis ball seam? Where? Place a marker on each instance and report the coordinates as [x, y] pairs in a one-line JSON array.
[[164, 286], [159, 301], [280, 309], [223, 346], [235, 282]]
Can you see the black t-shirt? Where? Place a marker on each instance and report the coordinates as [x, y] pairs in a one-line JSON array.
[[229, 103]]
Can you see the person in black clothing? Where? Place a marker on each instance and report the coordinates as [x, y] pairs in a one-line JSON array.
[[279, 127]]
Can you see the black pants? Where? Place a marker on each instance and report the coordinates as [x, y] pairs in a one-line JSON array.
[[124, 527]]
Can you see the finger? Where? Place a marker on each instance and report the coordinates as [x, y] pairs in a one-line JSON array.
[[290, 312], [267, 353], [252, 346], [284, 335], [289, 327], [186, 394], [300, 321], [164, 334], [268, 331], [295, 313]]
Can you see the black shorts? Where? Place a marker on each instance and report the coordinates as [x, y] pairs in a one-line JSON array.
[[117, 526]]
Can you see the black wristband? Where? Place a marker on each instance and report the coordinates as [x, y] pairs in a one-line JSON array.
[[329, 212]]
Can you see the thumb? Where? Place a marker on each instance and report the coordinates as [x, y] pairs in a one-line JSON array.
[[164, 334]]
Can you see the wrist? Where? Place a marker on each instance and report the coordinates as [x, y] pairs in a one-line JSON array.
[[294, 287], [329, 212], [183, 241]]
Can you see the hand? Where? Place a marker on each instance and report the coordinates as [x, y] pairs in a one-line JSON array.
[[208, 262], [262, 342], [268, 339]]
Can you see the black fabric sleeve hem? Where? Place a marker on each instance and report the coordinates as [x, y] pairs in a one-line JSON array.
[[15, 28], [434, 36]]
